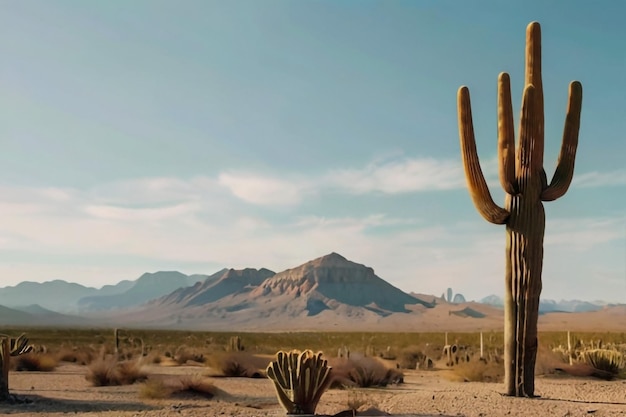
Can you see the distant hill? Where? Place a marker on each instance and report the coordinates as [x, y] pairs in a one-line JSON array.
[[549, 306], [57, 295], [35, 315], [147, 287]]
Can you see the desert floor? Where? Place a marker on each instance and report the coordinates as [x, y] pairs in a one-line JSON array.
[[424, 393]]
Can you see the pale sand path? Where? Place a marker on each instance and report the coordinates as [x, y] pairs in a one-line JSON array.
[[424, 393]]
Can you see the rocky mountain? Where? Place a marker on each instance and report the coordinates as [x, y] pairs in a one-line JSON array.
[[332, 278], [147, 287], [227, 282], [326, 289]]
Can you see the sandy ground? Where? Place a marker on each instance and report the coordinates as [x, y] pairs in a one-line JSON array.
[[424, 393]]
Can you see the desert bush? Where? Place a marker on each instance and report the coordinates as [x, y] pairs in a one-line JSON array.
[[358, 400], [184, 355], [197, 384], [39, 362], [237, 364], [409, 358], [363, 372], [479, 371], [80, 356], [549, 360], [610, 361], [108, 371], [186, 384], [155, 389]]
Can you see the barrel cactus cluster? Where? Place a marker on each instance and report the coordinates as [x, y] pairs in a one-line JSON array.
[[300, 379]]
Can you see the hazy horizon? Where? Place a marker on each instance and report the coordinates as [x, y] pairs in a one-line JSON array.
[[196, 135]]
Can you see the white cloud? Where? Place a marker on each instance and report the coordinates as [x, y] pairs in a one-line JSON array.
[[147, 214], [262, 190], [169, 223], [400, 176], [581, 234], [600, 179]]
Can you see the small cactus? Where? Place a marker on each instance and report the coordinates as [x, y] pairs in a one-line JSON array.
[[300, 379], [234, 344], [10, 346]]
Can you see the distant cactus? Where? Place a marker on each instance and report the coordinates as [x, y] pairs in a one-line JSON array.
[[300, 379], [10, 346], [234, 344], [524, 180]]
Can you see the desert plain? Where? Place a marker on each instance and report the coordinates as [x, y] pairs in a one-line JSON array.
[[424, 392]]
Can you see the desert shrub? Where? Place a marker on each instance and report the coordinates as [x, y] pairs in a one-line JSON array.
[[196, 384], [548, 360], [155, 389], [153, 357], [479, 370], [363, 372], [80, 356], [39, 362], [606, 360], [184, 355], [186, 384], [237, 364], [409, 358], [359, 400], [108, 371]]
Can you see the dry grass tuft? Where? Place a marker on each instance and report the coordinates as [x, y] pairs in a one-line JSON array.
[[80, 356], [184, 355], [108, 371], [34, 362], [237, 364], [479, 371], [187, 384], [155, 389], [363, 372], [197, 384], [411, 357]]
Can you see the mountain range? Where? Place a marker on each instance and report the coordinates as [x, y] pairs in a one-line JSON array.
[[326, 293]]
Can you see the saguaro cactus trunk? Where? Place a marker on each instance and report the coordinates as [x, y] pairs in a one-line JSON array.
[[524, 180]]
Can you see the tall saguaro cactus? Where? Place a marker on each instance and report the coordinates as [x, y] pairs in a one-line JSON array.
[[524, 180]]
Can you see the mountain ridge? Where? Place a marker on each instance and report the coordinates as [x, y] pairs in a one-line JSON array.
[[327, 292]]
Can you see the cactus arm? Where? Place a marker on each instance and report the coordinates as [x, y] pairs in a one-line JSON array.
[[530, 161], [473, 173], [565, 167], [533, 77], [506, 136]]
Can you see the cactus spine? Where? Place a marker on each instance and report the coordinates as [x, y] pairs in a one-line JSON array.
[[523, 178]]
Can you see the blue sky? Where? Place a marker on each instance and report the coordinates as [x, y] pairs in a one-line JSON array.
[[196, 135]]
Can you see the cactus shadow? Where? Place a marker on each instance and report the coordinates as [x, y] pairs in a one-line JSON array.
[[31, 403]]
